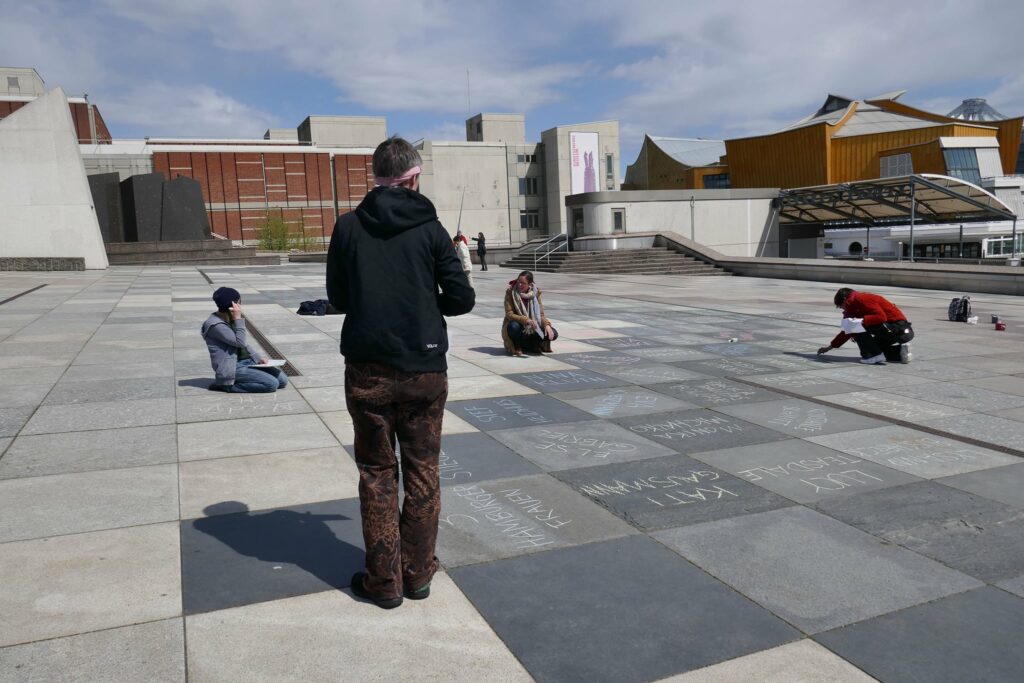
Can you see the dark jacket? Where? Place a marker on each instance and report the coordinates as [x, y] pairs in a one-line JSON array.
[[392, 271], [481, 244], [873, 308]]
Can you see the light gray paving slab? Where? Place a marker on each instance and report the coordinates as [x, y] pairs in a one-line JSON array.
[[994, 430], [813, 571], [598, 359], [321, 377], [708, 393], [40, 376], [725, 367], [4, 443], [894, 407], [1015, 585], [23, 395], [566, 380], [222, 406], [652, 373], [91, 391], [945, 372], [692, 431], [101, 415], [103, 449], [806, 384], [486, 521], [795, 417], [622, 401], [960, 396], [13, 419], [919, 453], [106, 356], [36, 507], [1007, 384], [669, 354], [515, 411], [855, 374], [804, 471], [791, 362], [152, 652], [68, 585], [1003, 484], [803, 661], [325, 399], [332, 636], [579, 444], [248, 436]]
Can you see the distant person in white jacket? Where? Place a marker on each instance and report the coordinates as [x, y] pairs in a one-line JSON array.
[[462, 249]]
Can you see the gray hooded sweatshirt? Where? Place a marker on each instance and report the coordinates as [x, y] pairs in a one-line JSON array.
[[223, 342]]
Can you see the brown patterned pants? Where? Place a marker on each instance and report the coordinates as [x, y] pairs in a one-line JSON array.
[[386, 404]]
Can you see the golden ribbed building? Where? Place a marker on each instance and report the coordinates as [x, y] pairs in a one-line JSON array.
[[843, 141]]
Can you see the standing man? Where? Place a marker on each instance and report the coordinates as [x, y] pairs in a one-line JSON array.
[[886, 333], [392, 271]]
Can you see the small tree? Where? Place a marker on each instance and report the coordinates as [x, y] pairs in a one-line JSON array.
[[273, 234]]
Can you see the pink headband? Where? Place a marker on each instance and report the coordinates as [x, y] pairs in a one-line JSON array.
[[391, 182]]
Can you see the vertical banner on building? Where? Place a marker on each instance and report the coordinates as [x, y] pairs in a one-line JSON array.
[[584, 162]]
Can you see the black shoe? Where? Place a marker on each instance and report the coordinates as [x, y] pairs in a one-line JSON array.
[[421, 593], [360, 592], [220, 387]]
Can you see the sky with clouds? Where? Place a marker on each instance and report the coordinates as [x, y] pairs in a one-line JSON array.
[[215, 68]]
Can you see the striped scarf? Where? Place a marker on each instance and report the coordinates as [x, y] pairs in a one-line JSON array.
[[526, 305]]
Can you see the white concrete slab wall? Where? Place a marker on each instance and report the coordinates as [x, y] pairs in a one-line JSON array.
[[46, 208]]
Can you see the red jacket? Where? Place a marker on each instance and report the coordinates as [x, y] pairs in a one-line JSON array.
[[874, 309]]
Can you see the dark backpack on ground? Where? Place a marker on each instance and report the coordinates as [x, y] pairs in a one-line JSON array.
[[960, 309], [318, 307]]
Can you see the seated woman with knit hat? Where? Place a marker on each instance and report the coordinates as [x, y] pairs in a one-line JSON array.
[[231, 355], [525, 327]]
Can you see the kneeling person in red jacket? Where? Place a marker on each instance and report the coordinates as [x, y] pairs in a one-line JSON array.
[[884, 327]]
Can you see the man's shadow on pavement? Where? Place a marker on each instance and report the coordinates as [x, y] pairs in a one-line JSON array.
[[278, 537]]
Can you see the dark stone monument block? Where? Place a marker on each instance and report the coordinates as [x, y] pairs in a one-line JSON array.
[[106, 197], [142, 197], [183, 215]]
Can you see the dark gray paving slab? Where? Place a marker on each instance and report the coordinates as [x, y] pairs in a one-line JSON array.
[[944, 372], [497, 519], [687, 337], [237, 559], [566, 380], [579, 444], [1003, 484], [515, 411], [692, 431], [709, 393], [89, 391], [972, 636], [596, 359], [678, 618], [628, 342], [795, 417], [103, 415], [153, 652], [791, 362], [975, 535], [34, 456], [803, 471], [806, 384], [622, 401], [652, 373], [813, 571], [887, 405], [988, 428], [725, 367], [12, 419], [736, 349], [477, 457], [669, 354], [960, 396], [669, 492], [919, 453], [1015, 586]]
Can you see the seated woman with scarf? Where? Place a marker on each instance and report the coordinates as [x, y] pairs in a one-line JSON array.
[[525, 327]]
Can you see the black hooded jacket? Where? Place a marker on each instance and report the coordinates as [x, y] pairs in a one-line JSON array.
[[392, 271]]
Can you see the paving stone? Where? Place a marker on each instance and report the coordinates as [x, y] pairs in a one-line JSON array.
[[628, 342], [791, 362], [687, 339], [484, 387], [801, 662], [515, 364], [668, 492], [893, 407], [968, 637], [945, 372], [12, 419], [320, 378], [960, 396], [975, 535], [725, 367], [579, 444], [68, 585], [325, 399], [919, 453], [203, 440], [485, 521], [4, 443], [1003, 484], [105, 449], [692, 431], [238, 557], [804, 471], [89, 391], [994, 430], [652, 373], [566, 380], [1015, 586], [669, 354], [805, 384], [222, 406], [854, 374], [622, 401], [658, 615], [268, 480], [333, 636], [23, 395], [477, 457], [101, 415], [795, 417], [708, 393], [515, 411], [598, 359], [38, 376], [813, 571], [736, 349], [153, 652]]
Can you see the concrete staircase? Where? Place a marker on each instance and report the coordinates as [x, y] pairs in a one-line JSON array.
[[653, 261], [198, 252]]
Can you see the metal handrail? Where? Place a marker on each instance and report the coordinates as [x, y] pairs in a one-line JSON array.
[[547, 254]]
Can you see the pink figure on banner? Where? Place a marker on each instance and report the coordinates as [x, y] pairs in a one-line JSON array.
[[589, 174]]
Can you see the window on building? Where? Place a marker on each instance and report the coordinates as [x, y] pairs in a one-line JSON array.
[[1019, 170], [13, 86], [895, 165], [962, 163], [529, 219], [618, 220], [528, 186], [1001, 246], [609, 171], [717, 181], [526, 158]]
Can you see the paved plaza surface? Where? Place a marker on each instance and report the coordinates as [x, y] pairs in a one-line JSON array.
[[683, 491]]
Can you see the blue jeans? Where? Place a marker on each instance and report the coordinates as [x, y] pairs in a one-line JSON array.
[[250, 380]]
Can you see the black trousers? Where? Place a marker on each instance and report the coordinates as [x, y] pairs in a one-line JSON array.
[[878, 339], [483, 259]]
